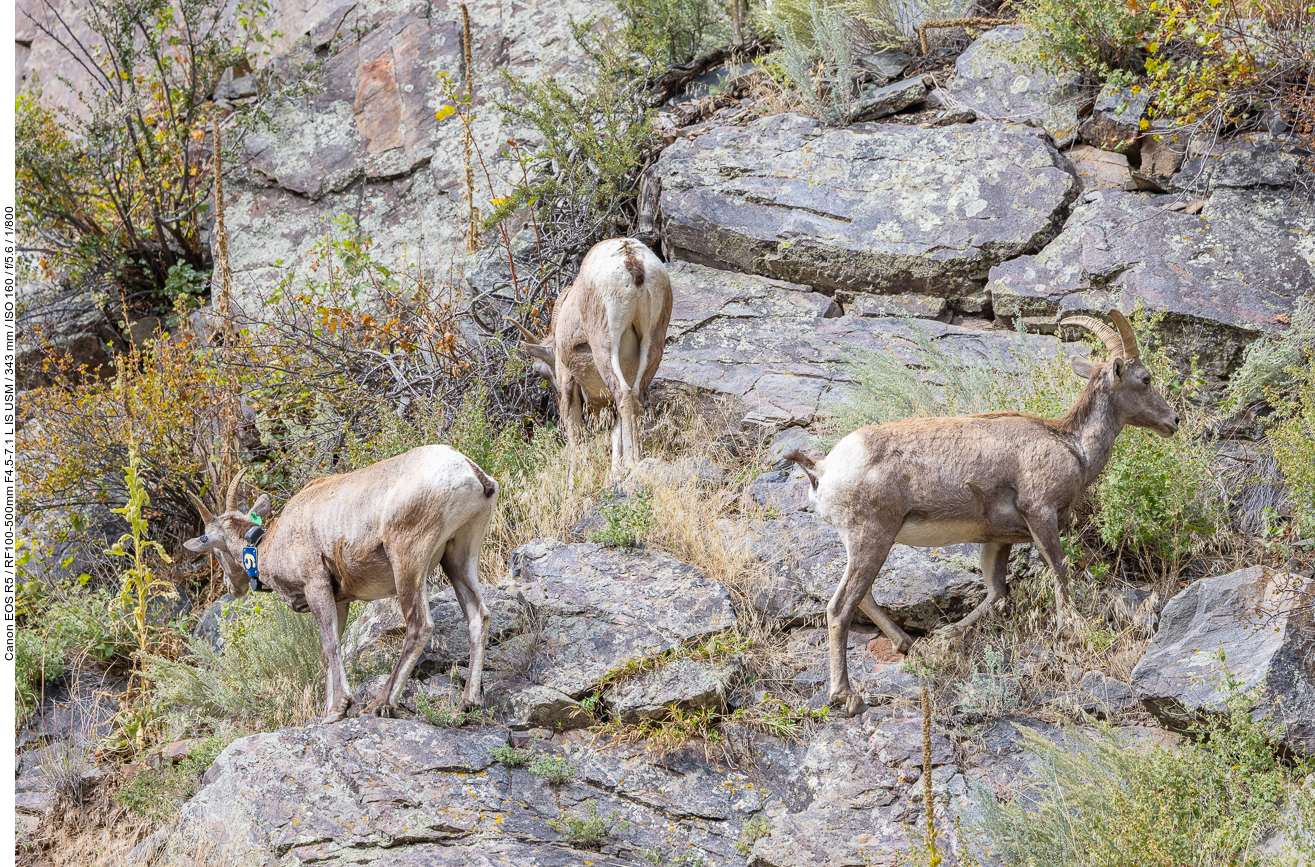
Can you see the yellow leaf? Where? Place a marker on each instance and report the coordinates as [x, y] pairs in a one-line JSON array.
[[444, 113]]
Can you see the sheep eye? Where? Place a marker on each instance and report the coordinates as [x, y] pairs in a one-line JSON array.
[[1146, 381]]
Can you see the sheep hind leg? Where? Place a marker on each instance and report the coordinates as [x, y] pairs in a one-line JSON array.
[[410, 581], [878, 615], [867, 554], [995, 565], [461, 565]]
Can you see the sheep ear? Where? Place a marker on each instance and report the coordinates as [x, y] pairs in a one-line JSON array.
[[1083, 367], [1119, 366], [542, 351], [262, 506]]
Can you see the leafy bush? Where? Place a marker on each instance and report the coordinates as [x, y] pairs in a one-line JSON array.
[[267, 677], [993, 690], [119, 191], [671, 32], [751, 832], [1101, 38], [60, 625], [1293, 442], [444, 714], [589, 831], [1214, 64], [553, 770], [1099, 800], [1267, 363], [626, 522], [156, 793]]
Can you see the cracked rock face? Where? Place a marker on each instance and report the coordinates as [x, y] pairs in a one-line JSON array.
[[1248, 615], [988, 81], [597, 608], [870, 208], [366, 144], [1224, 277], [782, 350]]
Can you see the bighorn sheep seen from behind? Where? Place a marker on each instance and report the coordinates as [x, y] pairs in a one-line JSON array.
[[999, 479], [368, 534], [605, 342]]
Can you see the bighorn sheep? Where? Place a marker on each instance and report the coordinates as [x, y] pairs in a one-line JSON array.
[[368, 534], [999, 479], [605, 341]]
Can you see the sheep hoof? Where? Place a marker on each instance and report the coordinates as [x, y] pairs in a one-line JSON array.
[[849, 704]]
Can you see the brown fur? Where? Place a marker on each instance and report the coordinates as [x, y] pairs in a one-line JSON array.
[[997, 479], [369, 534], [633, 265]]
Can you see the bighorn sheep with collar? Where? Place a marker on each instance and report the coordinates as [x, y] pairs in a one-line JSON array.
[[999, 479], [605, 342], [368, 534]]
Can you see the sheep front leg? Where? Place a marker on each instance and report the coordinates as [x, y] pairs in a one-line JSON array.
[[1045, 533], [331, 618]]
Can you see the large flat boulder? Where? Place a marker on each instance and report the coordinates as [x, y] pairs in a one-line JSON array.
[[1222, 277], [596, 608], [869, 208], [1254, 619], [782, 351], [989, 79]]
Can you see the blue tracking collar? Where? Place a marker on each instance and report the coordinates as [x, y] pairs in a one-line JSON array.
[[250, 560]]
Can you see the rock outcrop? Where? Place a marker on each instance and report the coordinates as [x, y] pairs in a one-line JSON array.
[[869, 208], [782, 350], [990, 80], [1222, 278], [1254, 619]]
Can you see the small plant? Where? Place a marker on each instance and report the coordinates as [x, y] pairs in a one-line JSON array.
[[1100, 38], [510, 756], [751, 832], [626, 523], [553, 770], [992, 691], [816, 59], [442, 712], [156, 793], [1098, 800], [1293, 442], [589, 831]]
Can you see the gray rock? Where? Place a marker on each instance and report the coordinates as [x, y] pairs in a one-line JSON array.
[[207, 628], [1248, 616], [1096, 695], [884, 65], [908, 304], [524, 705], [1240, 164], [598, 608], [868, 208], [782, 351], [782, 491], [787, 441], [991, 83], [1115, 121], [450, 642], [884, 101], [685, 683], [1100, 170], [1222, 279]]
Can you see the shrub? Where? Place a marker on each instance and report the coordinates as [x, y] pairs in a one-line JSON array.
[[1100, 38], [626, 523], [1098, 800], [1293, 442], [267, 677], [61, 625], [510, 756], [816, 60], [444, 714], [751, 832], [553, 770], [1215, 64], [119, 191], [992, 691], [156, 793], [589, 831], [671, 32], [1267, 363]]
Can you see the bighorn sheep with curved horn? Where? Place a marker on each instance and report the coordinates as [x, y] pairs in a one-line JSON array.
[[605, 342], [368, 534], [999, 479]]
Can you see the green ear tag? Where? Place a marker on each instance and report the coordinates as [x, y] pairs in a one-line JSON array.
[[256, 519]]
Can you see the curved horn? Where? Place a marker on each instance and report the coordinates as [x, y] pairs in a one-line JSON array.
[[206, 514], [1128, 336], [230, 502], [1107, 335], [522, 329]]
